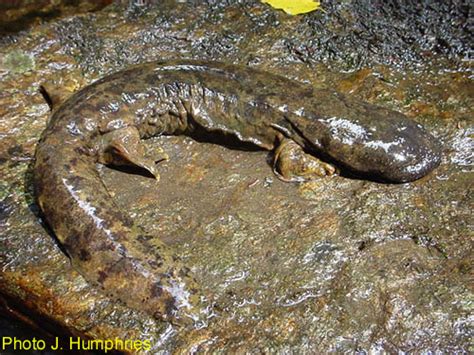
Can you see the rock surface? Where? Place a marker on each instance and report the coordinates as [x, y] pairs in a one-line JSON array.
[[336, 264]]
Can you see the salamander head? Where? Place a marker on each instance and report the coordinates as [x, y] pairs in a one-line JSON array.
[[386, 146], [400, 152]]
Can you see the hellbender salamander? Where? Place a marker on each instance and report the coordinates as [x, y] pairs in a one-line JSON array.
[[105, 121]]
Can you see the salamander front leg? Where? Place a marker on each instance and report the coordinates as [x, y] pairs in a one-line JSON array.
[[291, 163], [122, 147]]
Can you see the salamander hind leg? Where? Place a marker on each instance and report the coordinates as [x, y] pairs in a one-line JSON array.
[[122, 147], [291, 163]]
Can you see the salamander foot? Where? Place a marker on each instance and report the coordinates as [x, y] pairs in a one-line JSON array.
[[291, 163]]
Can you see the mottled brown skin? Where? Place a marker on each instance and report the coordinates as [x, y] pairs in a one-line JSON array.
[[105, 121]]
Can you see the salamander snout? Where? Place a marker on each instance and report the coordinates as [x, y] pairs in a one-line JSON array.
[[414, 154]]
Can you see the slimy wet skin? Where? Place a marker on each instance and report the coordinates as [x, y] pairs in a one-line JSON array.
[[105, 122]]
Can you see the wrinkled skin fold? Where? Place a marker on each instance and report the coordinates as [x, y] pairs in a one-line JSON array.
[[104, 123]]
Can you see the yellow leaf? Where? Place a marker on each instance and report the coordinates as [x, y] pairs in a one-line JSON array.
[[294, 7]]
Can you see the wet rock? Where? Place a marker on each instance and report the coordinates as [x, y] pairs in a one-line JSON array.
[[335, 264], [19, 15]]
